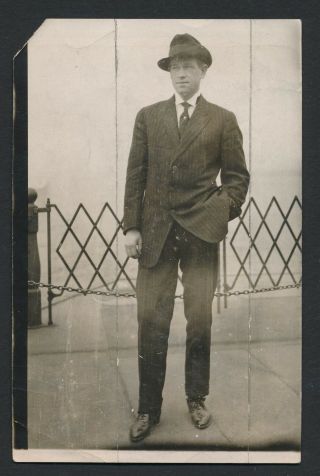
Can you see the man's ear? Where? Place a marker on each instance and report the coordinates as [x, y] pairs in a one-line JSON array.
[[204, 68]]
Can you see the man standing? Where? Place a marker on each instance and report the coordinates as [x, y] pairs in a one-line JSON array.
[[176, 214]]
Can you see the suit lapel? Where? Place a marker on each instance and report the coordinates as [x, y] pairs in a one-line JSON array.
[[197, 122], [170, 121]]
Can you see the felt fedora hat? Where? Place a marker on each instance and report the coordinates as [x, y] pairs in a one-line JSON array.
[[185, 45]]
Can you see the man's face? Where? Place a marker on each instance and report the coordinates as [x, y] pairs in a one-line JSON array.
[[186, 75]]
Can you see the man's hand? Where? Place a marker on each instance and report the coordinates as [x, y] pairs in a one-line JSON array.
[[133, 243]]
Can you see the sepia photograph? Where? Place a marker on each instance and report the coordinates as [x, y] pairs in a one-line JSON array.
[[164, 239]]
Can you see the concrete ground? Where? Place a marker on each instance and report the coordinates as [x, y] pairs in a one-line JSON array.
[[83, 378]]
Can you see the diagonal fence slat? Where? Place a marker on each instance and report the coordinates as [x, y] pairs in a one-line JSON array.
[[108, 247], [274, 240], [244, 263], [241, 261], [82, 247]]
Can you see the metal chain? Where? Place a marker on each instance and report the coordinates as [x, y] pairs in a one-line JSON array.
[[117, 294]]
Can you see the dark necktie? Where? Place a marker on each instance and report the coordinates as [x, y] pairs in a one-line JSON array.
[[184, 118]]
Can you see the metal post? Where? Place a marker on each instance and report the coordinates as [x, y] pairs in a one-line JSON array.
[[50, 294], [34, 293], [225, 285], [219, 281]]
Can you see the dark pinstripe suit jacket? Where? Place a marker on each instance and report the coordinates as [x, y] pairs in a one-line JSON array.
[[171, 179]]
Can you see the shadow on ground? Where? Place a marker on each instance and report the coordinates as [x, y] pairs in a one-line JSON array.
[[83, 378]]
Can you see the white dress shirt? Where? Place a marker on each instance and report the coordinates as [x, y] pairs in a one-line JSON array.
[[192, 101]]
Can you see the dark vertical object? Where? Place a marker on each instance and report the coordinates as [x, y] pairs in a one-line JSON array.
[[20, 250], [50, 293], [219, 279], [34, 294], [225, 286]]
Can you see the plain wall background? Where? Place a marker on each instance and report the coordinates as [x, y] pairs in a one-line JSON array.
[[82, 110]]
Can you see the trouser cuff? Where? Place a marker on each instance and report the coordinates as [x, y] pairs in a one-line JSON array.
[[154, 409]]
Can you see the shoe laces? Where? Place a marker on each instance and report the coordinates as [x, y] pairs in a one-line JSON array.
[[197, 405], [143, 417]]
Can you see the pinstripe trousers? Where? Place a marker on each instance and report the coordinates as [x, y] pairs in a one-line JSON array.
[[156, 289]]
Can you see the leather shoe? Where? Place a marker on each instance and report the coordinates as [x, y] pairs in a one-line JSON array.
[[142, 426], [200, 416]]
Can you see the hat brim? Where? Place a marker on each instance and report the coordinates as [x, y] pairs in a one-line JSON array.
[[197, 52]]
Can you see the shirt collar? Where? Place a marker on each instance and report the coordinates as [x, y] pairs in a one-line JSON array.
[[192, 101]]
